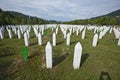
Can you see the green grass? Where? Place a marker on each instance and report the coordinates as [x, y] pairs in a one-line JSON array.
[[103, 58]]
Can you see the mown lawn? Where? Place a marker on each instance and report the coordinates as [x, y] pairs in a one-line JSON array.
[[100, 62]]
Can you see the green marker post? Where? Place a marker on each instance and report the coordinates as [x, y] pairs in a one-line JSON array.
[[25, 52], [46, 33]]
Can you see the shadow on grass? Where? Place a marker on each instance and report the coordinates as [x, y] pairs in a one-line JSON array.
[[59, 59], [7, 54], [60, 43], [33, 43], [4, 69], [104, 76], [44, 44], [83, 58], [72, 42], [33, 36], [34, 55]]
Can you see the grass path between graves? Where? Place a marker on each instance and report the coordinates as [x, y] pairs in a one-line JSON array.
[[100, 62]]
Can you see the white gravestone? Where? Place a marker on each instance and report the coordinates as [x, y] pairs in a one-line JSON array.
[[19, 35], [83, 34], [10, 33], [77, 56], [119, 42], [26, 40], [43, 31], [64, 34], [28, 34], [56, 31], [54, 39], [101, 35], [110, 30], [39, 39], [1, 34], [95, 40], [77, 32], [48, 50], [68, 39]]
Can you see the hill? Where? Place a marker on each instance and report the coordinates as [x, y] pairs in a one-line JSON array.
[[112, 18], [12, 17]]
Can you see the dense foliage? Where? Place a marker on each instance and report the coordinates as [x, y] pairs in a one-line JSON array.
[[10, 17], [109, 19]]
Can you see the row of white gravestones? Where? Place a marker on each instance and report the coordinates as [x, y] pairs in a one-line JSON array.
[[95, 40], [76, 58]]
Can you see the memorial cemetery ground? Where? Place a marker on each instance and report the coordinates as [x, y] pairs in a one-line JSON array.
[[97, 63]]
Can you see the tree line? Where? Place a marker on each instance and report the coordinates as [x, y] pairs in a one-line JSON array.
[[15, 18], [104, 20], [6, 18]]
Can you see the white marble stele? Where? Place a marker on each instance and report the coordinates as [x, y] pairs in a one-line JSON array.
[[77, 56], [54, 39], [95, 40], [39, 39], [26, 40], [48, 51]]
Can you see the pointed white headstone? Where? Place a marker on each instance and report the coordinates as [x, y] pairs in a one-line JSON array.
[[110, 30], [101, 35], [54, 39], [28, 34], [39, 39], [68, 39], [83, 34], [64, 34], [119, 42], [77, 32], [95, 40], [21, 29], [19, 34], [15, 30], [48, 50], [43, 31], [1, 34], [95, 30], [56, 31], [77, 56], [10, 33], [26, 40]]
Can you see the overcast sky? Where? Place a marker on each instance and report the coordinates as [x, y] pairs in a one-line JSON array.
[[61, 10]]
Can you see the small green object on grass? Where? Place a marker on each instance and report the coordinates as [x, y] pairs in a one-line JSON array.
[[46, 33], [25, 52]]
